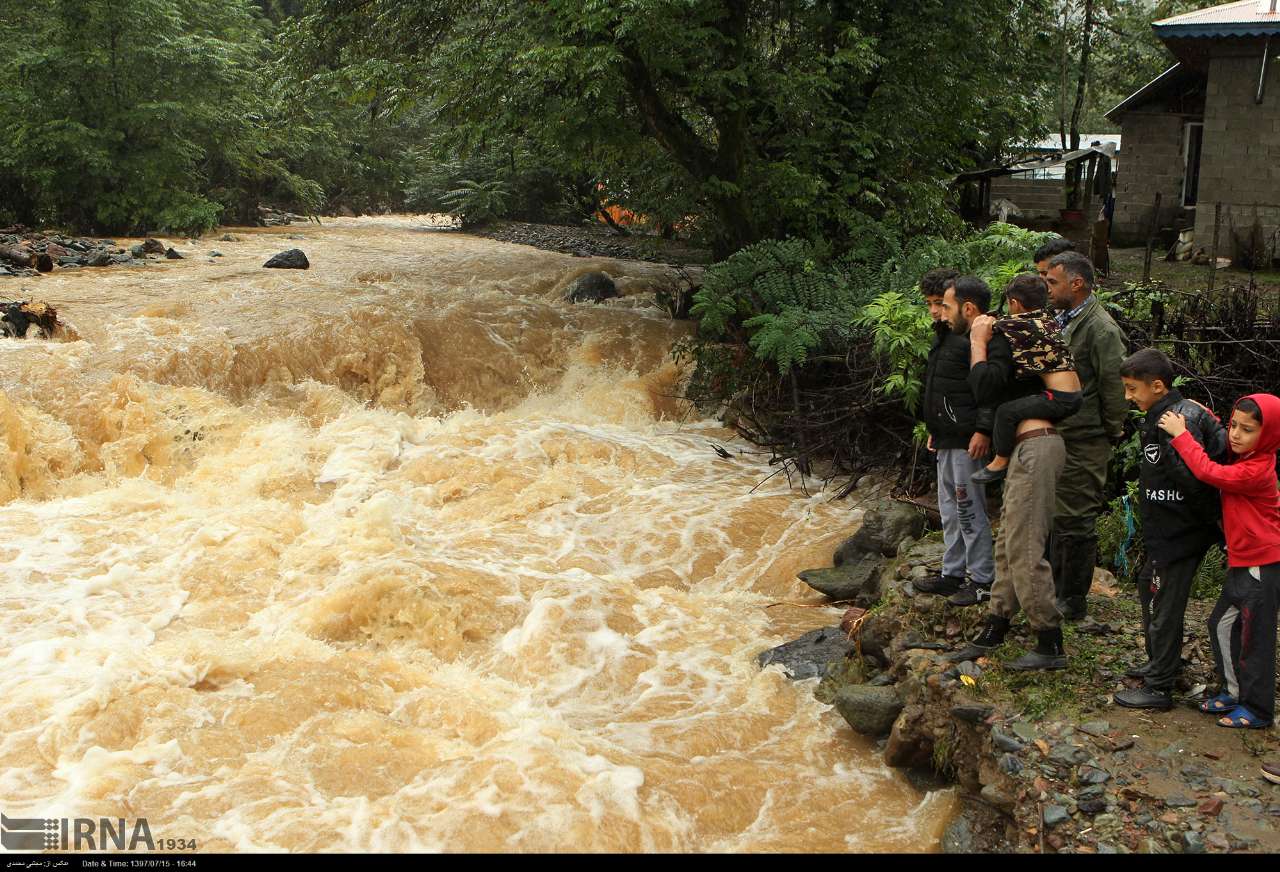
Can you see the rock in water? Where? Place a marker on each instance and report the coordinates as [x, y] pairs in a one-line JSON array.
[[153, 246], [291, 259], [851, 581], [591, 287], [808, 656], [870, 710], [172, 254], [99, 258], [884, 528]]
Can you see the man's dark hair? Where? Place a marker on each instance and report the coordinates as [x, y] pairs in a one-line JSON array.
[[1148, 365], [971, 289], [1029, 289], [934, 282], [1074, 264], [1053, 248], [1250, 407]]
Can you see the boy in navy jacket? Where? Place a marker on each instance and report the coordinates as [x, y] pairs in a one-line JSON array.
[[1180, 522]]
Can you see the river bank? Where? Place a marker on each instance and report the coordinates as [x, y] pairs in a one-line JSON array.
[[1045, 762]]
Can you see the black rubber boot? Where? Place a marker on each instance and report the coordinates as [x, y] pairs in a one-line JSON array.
[[1073, 559], [991, 637], [1048, 653]]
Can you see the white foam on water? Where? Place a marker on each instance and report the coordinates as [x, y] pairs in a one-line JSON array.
[[406, 554]]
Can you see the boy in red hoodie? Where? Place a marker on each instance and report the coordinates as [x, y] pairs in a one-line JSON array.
[[1242, 627]]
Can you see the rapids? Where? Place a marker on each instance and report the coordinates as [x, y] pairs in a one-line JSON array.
[[403, 553]]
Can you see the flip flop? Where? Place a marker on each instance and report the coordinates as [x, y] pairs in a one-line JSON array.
[[1241, 718], [1223, 702]]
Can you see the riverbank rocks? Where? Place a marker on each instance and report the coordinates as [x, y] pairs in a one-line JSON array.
[[809, 656], [172, 254], [153, 246], [885, 526], [294, 258], [591, 287], [868, 709], [853, 582]]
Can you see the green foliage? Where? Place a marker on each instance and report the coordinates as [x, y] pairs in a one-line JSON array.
[[1121, 550], [900, 332], [782, 296], [739, 120], [476, 202]]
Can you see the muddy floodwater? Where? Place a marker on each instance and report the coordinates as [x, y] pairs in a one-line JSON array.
[[404, 553]]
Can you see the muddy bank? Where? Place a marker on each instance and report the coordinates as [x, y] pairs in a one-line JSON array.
[[1044, 761], [593, 241]]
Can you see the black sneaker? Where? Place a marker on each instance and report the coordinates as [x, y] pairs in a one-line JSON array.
[[1144, 698], [986, 475], [970, 594], [941, 585], [1138, 671]]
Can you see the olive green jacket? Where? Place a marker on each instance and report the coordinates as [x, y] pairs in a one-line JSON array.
[[1098, 345]]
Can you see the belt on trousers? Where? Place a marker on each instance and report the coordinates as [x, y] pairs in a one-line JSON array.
[[1032, 434]]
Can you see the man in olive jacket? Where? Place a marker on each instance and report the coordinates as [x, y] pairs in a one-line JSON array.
[[1098, 346]]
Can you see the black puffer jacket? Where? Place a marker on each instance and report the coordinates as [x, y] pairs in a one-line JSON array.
[[951, 413], [1180, 514]]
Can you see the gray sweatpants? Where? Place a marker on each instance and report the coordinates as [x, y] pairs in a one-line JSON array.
[[966, 530]]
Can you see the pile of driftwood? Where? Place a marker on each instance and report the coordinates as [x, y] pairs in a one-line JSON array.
[[1226, 343], [831, 418]]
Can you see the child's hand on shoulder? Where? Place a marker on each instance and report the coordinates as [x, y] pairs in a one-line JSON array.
[[1173, 424]]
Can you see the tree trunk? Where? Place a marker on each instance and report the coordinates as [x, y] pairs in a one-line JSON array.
[[1073, 170]]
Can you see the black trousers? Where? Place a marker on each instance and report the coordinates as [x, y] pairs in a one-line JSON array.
[[1163, 589], [1050, 405], [1242, 629]]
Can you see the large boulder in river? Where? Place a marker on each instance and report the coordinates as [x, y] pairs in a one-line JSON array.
[[153, 246], [291, 259], [808, 656], [870, 710], [591, 287], [852, 581], [885, 526]]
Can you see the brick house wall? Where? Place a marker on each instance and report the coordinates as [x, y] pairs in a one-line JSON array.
[[1152, 162], [1240, 164]]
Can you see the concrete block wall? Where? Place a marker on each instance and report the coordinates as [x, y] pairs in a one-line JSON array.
[[1036, 198], [1240, 165], [1152, 162]]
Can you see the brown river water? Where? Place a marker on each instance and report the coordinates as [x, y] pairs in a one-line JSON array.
[[403, 553]]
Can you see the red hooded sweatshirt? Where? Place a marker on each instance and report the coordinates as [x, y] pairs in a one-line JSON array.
[[1250, 500]]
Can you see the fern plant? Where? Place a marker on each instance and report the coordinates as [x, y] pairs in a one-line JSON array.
[[475, 202]]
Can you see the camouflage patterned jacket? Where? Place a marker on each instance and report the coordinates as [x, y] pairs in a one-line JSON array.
[[1038, 348]]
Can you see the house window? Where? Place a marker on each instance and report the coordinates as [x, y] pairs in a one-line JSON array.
[[1192, 140]]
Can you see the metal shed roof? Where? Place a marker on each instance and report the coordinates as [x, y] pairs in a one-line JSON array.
[[1243, 18]]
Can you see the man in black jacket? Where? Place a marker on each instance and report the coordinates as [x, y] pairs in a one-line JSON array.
[[1180, 516], [960, 434]]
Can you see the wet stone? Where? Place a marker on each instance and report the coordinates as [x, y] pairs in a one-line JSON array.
[[1067, 754], [1179, 801], [1196, 770], [1092, 775], [1095, 728], [1218, 842], [1054, 815], [1092, 806], [1004, 742], [1010, 765], [1091, 792]]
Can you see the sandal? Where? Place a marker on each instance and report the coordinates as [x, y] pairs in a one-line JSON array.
[[1223, 702], [1241, 718]]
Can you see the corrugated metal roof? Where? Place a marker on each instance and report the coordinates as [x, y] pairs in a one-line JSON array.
[[1147, 91], [1243, 18], [1054, 143]]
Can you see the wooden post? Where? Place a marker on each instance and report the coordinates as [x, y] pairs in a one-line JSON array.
[[1213, 253], [1151, 239]]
